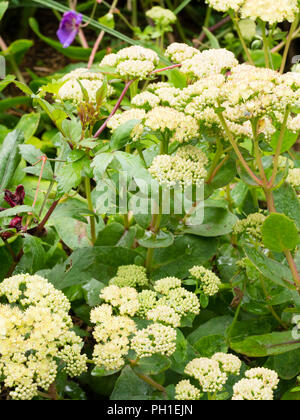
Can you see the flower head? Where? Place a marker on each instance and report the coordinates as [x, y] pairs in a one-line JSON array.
[[267, 376], [112, 334], [270, 11], [155, 339], [178, 52], [35, 332], [164, 314], [208, 373], [183, 301], [166, 284], [161, 16], [134, 62], [251, 226], [130, 276], [124, 298], [228, 363], [147, 301], [68, 28], [71, 90], [209, 62], [209, 282], [225, 5], [185, 168], [186, 391], [294, 178], [252, 390]]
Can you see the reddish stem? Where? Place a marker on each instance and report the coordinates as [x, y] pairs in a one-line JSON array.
[[95, 49], [116, 107], [173, 66]]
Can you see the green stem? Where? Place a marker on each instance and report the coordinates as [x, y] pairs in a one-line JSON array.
[[46, 197], [235, 320], [119, 13], [216, 161], [151, 382], [90, 205], [265, 43], [237, 150], [293, 268], [235, 20], [229, 199], [288, 44], [270, 307], [257, 152], [16, 70], [279, 147], [134, 13]]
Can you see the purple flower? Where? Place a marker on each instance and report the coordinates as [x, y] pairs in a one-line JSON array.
[[68, 28]]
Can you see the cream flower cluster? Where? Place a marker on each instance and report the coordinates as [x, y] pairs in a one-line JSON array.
[[133, 62], [35, 332], [266, 10], [155, 339], [90, 81], [212, 374], [270, 11], [247, 92], [267, 376], [225, 5], [252, 390], [208, 373], [147, 301], [125, 299], [183, 301], [130, 276], [294, 124], [185, 168], [168, 302], [209, 62], [112, 336], [244, 93], [209, 282], [146, 100], [166, 284], [201, 64], [251, 226], [186, 391], [178, 52], [259, 384], [164, 314], [161, 16], [228, 363], [253, 92], [163, 96], [179, 126], [294, 178]]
